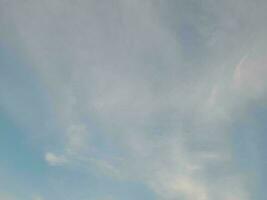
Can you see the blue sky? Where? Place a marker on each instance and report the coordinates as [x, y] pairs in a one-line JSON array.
[[131, 99]]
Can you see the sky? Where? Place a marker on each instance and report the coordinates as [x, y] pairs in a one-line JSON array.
[[133, 99]]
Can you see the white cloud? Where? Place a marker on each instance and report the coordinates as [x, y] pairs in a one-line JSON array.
[[249, 72], [122, 68], [54, 160]]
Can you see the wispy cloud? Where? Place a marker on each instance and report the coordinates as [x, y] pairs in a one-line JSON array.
[[54, 160], [238, 72], [138, 91]]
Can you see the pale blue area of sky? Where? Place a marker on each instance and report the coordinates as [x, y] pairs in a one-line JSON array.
[[23, 171]]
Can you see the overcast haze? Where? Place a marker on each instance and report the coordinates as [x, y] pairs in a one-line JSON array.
[[133, 99]]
